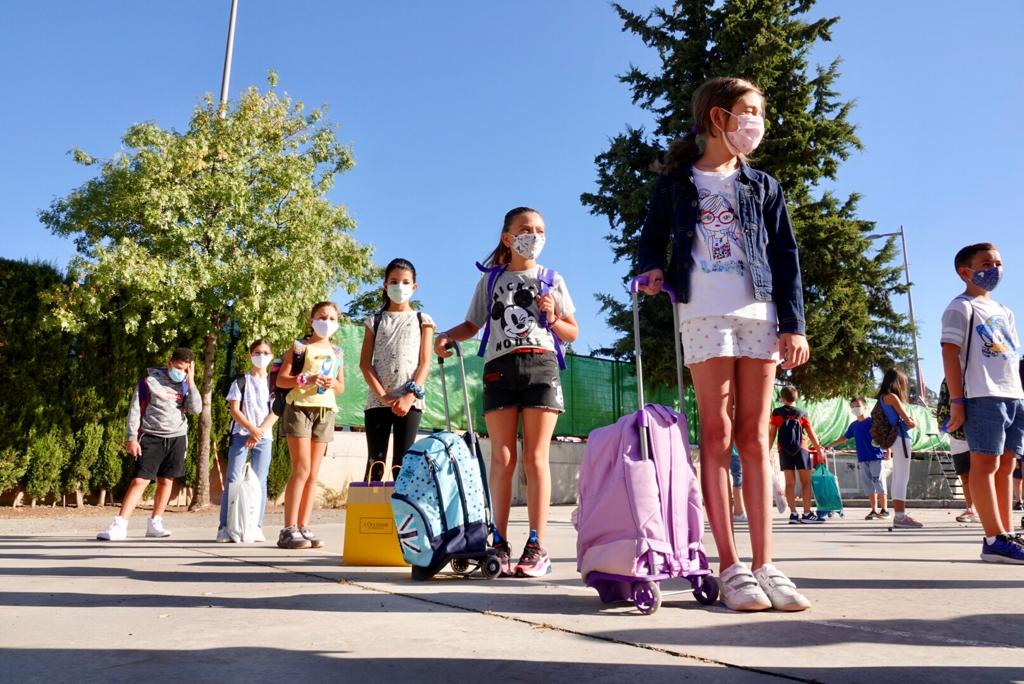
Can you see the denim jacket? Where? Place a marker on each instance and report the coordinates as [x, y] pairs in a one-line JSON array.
[[768, 239]]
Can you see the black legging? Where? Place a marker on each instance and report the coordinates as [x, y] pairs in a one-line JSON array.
[[379, 424]]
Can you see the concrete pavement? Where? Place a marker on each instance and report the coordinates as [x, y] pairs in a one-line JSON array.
[[888, 607]]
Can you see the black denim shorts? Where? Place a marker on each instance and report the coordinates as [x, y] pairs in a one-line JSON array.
[[523, 380]]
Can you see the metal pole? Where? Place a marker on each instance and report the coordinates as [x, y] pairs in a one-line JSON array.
[[913, 320], [225, 80]]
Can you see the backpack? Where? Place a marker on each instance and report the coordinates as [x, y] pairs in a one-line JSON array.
[[298, 359], [546, 278], [791, 434], [440, 502], [883, 433], [144, 398]]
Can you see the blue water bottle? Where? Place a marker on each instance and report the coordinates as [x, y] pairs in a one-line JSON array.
[[325, 370]]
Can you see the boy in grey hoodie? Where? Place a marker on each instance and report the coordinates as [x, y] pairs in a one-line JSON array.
[[157, 438]]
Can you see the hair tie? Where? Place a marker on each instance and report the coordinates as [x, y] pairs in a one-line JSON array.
[[695, 130]]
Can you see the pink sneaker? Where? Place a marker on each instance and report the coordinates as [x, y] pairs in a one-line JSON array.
[[534, 562]]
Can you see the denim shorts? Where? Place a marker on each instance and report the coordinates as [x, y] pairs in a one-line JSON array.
[[995, 425], [523, 380], [737, 470]]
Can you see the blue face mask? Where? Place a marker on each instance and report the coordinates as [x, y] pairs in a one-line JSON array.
[[988, 278], [176, 374]]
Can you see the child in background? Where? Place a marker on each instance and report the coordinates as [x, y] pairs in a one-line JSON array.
[[395, 361], [792, 426], [157, 438], [524, 314], [308, 420], [894, 394], [961, 455], [251, 423], [869, 458], [981, 356], [736, 469]]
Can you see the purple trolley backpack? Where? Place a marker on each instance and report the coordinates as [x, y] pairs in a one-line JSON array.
[[641, 516]]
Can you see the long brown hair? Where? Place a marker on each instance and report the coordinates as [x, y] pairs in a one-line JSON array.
[[502, 254], [895, 382], [722, 92]]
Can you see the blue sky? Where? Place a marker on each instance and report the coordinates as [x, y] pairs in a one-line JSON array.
[[458, 111]]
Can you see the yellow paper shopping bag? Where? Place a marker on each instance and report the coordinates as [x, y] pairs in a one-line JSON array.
[[370, 537]]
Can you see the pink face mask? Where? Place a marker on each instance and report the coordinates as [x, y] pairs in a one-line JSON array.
[[747, 135]]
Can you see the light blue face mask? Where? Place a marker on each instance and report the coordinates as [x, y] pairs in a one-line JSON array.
[[176, 374], [988, 278]]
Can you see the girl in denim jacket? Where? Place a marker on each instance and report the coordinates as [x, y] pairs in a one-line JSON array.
[[736, 271]]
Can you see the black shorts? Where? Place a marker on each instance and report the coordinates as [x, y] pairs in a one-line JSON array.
[[795, 461], [962, 463], [523, 380], [161, 457]]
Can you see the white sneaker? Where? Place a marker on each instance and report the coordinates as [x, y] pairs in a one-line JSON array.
[[258, 538], [223, 537], [780, 589], [118, 530], [155, 528], [741, 590]]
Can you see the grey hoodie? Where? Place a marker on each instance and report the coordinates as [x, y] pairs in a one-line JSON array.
[[165, 416]]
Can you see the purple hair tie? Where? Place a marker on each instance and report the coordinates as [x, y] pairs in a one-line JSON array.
[[695, 130]]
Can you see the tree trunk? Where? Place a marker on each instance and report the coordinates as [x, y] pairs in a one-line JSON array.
[[101, 501], [202, 493], [79, 498]]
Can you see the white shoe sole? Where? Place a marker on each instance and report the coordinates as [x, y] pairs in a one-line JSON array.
[[158, 535], [995, 558]]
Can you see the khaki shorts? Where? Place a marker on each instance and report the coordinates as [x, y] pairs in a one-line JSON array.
[[308, 421]]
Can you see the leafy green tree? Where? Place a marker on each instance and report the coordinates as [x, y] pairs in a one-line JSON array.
[[851, 323], [48, 454], [88, 445], [227, 221], [109, 469]]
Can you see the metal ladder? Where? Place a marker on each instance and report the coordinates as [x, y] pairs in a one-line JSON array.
[[947, 471]]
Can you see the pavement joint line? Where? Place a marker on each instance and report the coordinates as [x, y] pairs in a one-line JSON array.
[[530, 623]]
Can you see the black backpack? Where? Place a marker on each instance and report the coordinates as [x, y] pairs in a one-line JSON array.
[[791, 434]]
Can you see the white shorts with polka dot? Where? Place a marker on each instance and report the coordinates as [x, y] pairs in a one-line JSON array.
[[714, 337]]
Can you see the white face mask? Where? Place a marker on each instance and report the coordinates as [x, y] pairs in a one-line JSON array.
[[400, 293], [858, 411], [528, 245], [261, 360], [747, 135], [324, 328]]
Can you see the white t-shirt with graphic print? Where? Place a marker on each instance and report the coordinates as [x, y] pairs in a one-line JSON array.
[[720, 280], [992, 369], [254, 404], [514, 313]]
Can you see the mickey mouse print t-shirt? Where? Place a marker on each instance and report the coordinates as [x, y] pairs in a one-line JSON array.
[[720, 281], [513, 311]]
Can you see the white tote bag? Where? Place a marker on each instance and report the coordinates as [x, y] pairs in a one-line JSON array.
[[244, 499]]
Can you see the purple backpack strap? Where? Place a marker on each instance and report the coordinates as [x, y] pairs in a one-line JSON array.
[[546, 277], [492, 278]]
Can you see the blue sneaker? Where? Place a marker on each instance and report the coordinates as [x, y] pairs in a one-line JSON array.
[[811, 519], [794, 519], [1005, 549]]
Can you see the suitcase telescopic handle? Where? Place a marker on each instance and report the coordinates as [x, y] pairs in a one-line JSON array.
[[452, 344], [634, 289]]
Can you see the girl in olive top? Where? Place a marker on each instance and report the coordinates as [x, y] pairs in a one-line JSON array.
[[308, 420]]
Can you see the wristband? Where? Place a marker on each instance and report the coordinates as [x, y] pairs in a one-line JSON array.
[[301, 380], [959, 400], [414, 388]]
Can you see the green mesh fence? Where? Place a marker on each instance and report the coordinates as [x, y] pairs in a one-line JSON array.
[[597, 393]]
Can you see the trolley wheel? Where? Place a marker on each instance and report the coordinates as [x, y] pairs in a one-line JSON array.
[[490, 567], [462, 566], [646, 596], [706, 591]]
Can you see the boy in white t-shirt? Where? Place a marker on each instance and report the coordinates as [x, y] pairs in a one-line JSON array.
[[980, 355]]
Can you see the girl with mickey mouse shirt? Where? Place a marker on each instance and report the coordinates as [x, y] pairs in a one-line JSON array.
[[523, 307]]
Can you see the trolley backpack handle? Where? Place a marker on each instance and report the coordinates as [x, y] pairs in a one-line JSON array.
[[452, 344], [634, 289]]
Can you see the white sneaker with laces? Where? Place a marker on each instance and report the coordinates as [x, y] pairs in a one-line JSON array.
[[741, 590], [223, 536], [780, 589], [118, 530], [155, 528]]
